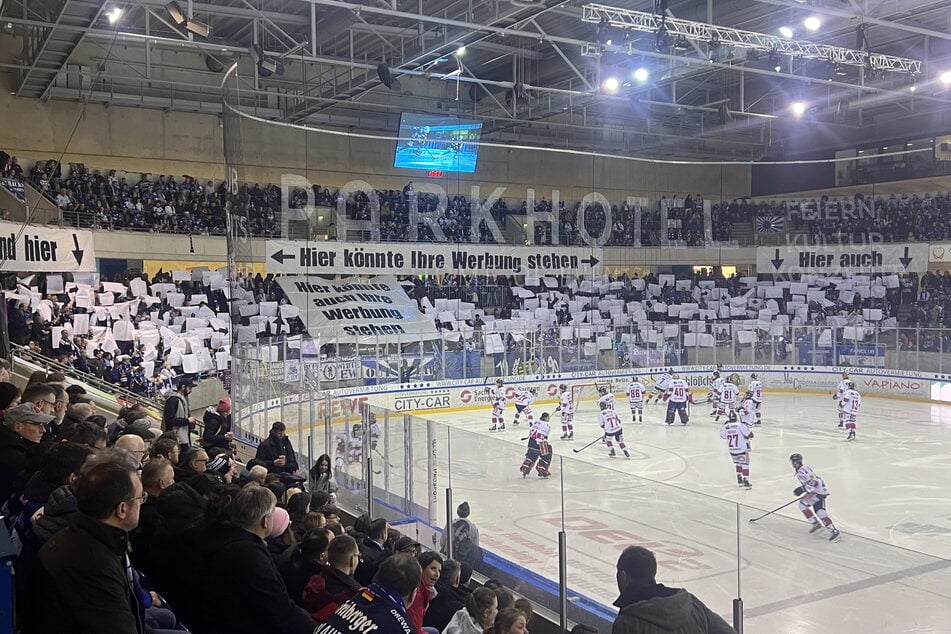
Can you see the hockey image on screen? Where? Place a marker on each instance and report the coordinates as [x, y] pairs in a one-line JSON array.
[[438, 143]]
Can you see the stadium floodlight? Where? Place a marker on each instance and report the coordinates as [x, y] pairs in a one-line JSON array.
[[113, 15], [786, 32], [798, 108], [610, 85], [812, 23], [946, 77], [460, 51], [642, 74]]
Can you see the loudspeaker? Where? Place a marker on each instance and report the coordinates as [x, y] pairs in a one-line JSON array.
[[383, 72], [213, 64], [724, 112]]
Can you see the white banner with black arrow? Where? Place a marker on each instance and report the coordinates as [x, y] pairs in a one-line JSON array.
[[389, 258], [42, 249], [843, 259]]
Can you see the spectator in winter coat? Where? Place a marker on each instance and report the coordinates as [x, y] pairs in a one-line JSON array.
[[217, 420], [276, 453], [23, 427], [236, 550], [176, 415], [448, 600], [431, 565], [647, 607], [382, 605], [334, 583]]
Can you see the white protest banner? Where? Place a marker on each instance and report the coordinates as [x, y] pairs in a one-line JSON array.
[[373, 310], [343, 258], [843, 259], [42, 249]]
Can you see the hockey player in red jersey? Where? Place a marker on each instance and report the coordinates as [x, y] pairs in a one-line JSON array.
[[813, 490], [539, 448]]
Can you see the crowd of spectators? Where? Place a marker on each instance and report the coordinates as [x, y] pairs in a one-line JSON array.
[[123, 528]]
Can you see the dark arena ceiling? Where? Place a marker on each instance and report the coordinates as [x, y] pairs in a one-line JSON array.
[[696, 79]]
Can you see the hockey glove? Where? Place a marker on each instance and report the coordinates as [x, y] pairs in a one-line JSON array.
[[798, 491]]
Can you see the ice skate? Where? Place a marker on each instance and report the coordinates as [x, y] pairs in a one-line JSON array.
[[834, 536], [564, 436], [611, 454], [502, 427], [851, 435], [524, 472], [627, 454], [640, 420], [571, 436], [815, 528], [739, 479], [493, 428], [747, 485], [841, 424]]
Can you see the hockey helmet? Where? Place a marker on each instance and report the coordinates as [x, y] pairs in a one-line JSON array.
[[602, 389], [850, 385], [499, 382], [749, 394], [753, 377], [719, 366], [563, 387], [675, 376], [845, 374], [716, 374], [796, 457]]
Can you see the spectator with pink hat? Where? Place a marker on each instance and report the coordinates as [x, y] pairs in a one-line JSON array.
[[217, 422]]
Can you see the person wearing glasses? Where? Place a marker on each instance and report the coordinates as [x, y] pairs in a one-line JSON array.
[[23, 427], [87, 578]]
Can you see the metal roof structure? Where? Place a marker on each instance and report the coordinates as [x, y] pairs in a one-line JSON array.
[[720, 76]]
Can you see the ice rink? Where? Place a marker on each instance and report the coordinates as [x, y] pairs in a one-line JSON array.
[[677, 494]]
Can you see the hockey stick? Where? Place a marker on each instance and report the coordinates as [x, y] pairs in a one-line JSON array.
[[599, 439], [774, 510], [388, 463]]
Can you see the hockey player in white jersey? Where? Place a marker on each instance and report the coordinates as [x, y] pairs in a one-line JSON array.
[[611, 425], [677, 396], [727, 404], [523, 405], [661, 385], [606, 396], [756, 389], [849, 406], [635, 398], [716, 386], [839, 391], [814, 493], [566, 405], [498, 405], [737, 435], [539, 449]]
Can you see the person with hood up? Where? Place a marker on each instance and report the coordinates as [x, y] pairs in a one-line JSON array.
[[647, 607]]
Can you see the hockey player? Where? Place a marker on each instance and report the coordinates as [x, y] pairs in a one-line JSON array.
[[737, 435], [611, 425], [849, 406], [756, 388], [727, 404], [677, 397], [566, 405], [716, 386], [814, 493], [635, 398], [839, 391], [661, 385], [606, 396], [747, 410], [498, 405], [523, 405], [538, 448]]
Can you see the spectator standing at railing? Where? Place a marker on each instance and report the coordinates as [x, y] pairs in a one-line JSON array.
[[176, 415]]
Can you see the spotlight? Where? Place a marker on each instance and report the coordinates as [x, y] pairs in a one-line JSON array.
[[946, 77], [913, 88], [786, 32], [460, 51], [812, 23], [642, 74], [603, 34], [113, 15], [178, 16], [775, 60], [798, 108], [610, 85]]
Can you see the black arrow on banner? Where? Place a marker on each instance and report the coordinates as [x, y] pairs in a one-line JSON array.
[[593, 261], [777, 261], [280, 256], [78, 253], [905, 261]]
